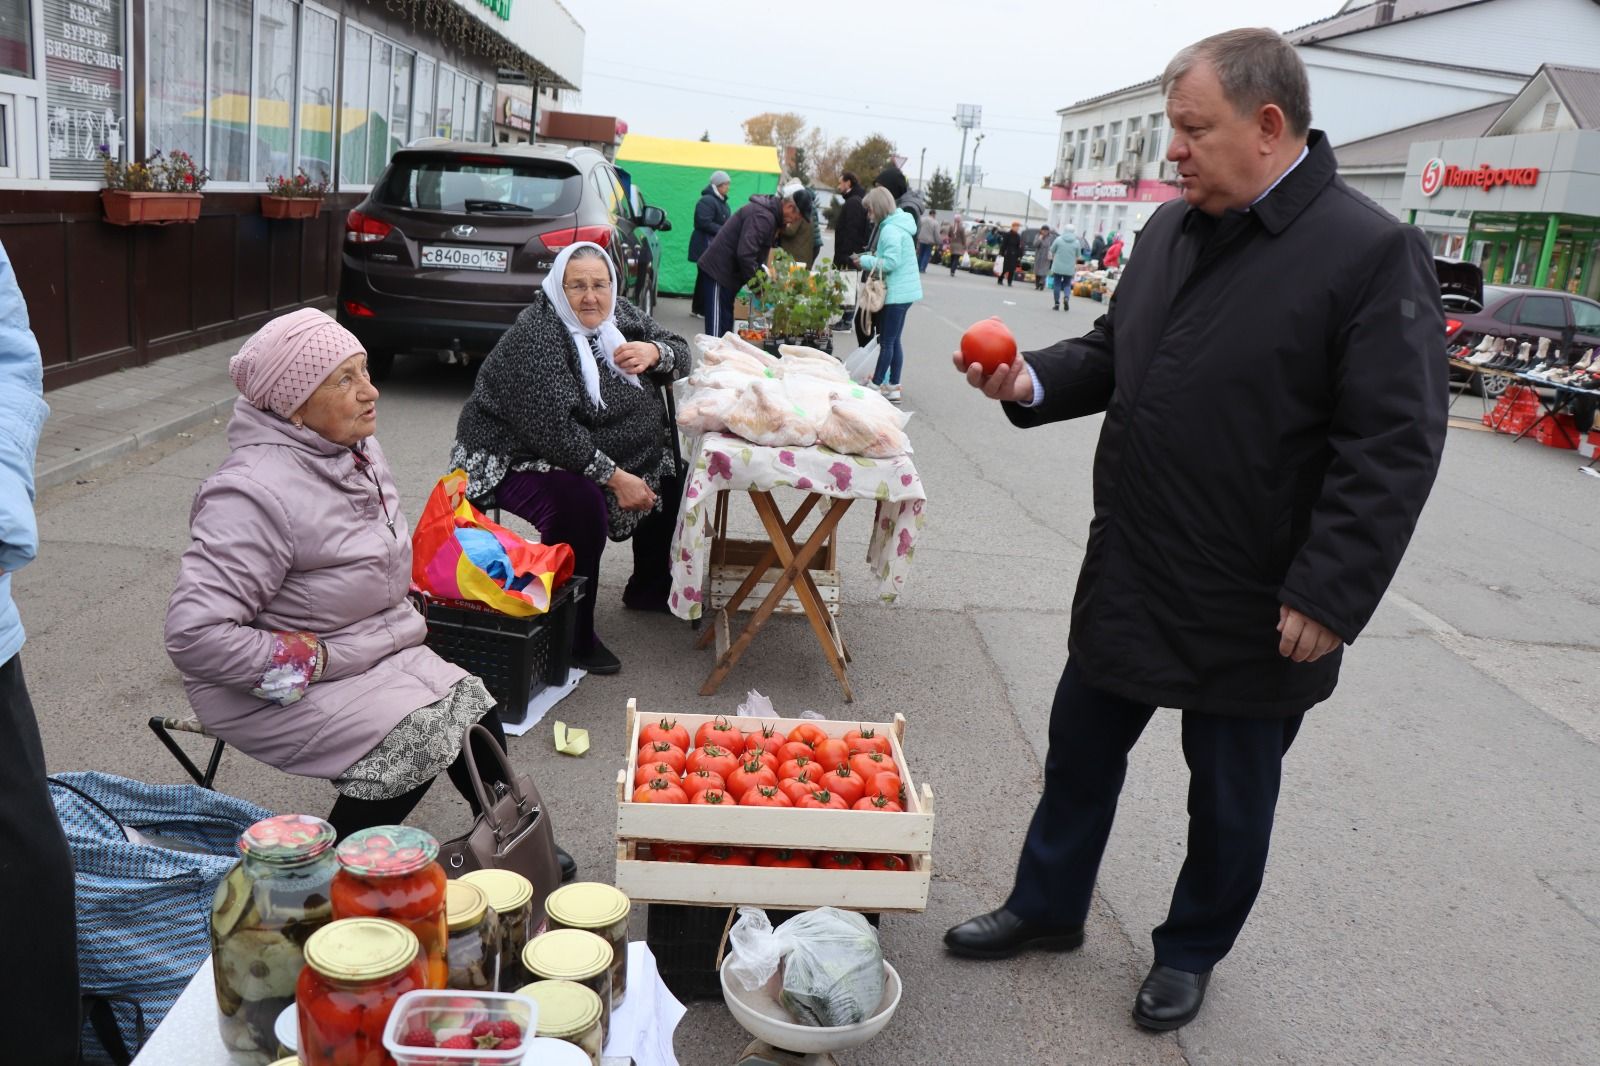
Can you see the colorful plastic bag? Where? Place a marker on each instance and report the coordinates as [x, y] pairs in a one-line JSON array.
[[444, 568]]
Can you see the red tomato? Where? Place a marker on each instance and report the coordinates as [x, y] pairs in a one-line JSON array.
[[675, 852], [714, 797], [887, 862], [727, 857], [795, 767], [785, 857], [824, 799], [765, 796], [843, 783], [866, 739], [662, 751], [655, 769], [869, 764], [699, 780], [721, 732], [719, 761], [839, 860], [797, 788], [767, 759], [808, 733], [748, 776], [767, 738], [666, 729], [670, 778], [659, 791], [795, 749], [889, 786], [833, 753], [989, 344], [877, 803]]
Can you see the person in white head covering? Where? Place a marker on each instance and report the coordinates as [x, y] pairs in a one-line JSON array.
[[566, 428]]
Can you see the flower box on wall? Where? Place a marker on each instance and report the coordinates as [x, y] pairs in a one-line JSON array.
[[290, 206], [149, 208]]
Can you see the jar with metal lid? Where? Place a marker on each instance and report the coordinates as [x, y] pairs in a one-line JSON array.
[[389, 871], [511, 896], [264, 911], [474, 950], [574, 955], [599, 909], [356, 971], [568, 1011]]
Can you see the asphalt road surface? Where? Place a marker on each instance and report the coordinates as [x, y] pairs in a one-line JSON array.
[[1434, 889]]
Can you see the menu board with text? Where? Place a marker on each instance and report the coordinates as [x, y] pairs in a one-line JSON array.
[[85, 72]]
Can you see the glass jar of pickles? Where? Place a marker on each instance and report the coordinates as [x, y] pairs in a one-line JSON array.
[[264, 911], [474, 951], [511, 896], [389, 871], [598, 909], [568, 1011], [574, 955], [356, 971]]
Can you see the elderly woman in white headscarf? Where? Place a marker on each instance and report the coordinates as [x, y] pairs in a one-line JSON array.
[[566, 429]]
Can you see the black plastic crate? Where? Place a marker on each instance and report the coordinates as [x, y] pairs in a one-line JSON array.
[[684, 939], [513, 656]]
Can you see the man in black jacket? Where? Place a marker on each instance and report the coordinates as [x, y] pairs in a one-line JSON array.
[[849, 235], [710, 215], [738, 250], [1274, 415]]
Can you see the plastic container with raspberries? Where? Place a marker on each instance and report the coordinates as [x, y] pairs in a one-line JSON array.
[[449, 1028]]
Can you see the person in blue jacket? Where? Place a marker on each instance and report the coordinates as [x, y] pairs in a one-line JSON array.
[[710, 214], [35, 865], [896, 257]]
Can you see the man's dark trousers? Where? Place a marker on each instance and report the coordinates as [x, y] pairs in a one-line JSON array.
[[1235, 765]]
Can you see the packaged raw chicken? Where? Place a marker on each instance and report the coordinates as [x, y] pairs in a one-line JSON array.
[[854, 427], [738, 343], [811, 361], [763, 414], [706, 410]]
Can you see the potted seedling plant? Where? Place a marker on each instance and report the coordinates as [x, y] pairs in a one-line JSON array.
[[802, 304]]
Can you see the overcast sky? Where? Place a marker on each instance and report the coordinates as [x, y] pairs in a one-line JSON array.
[[853, 67]]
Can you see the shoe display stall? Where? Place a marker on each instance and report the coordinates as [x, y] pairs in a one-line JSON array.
[[1549, 395]]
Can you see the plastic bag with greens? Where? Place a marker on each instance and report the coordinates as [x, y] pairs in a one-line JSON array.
[[832, 964]]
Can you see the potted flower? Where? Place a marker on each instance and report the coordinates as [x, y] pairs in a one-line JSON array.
[[152, 191], [293, 196], [801, 304]]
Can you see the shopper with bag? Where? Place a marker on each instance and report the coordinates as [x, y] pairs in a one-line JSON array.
[[957, 236], [35, 865], [1010, 255], [1063, 265], [290, 621], [1041, 258], [567, 428], [896, 260], [849, 234]]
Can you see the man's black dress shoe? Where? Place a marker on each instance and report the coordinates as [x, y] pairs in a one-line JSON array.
[[598, 660], [1169, 999], [1001, 934], [569, 865]]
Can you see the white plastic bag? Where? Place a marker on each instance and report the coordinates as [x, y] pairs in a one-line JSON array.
[[832, 963], [861, 363]]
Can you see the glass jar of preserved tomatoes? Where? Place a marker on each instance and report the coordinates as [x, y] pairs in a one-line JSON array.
[[356, 971], [474, 939], [510, 895], [264, 911], [389, 871], [599, 909]]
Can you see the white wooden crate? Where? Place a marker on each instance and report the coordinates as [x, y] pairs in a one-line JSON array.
[[909, 833]]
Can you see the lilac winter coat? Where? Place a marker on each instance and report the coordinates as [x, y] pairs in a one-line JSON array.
[[290, 533]]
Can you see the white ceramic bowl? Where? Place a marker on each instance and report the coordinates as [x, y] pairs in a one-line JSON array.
[[767, 1019]]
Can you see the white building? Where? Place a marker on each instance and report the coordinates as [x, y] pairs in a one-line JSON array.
[[1373, 68]]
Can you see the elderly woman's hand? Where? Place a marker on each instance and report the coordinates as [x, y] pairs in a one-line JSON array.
[[632, 492], [635, 357]]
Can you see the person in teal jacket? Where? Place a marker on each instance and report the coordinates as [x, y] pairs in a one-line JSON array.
[[896, 256], [35, 865], [1064, 252]]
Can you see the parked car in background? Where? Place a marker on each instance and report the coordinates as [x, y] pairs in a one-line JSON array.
[[1518, 313], [454, 239]]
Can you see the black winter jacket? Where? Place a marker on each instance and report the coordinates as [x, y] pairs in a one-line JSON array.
[[740, 248], [850, 234], [1011, 246], [1274, 415], [709, 216]]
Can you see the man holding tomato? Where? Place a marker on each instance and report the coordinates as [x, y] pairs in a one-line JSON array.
[[1274, 415]]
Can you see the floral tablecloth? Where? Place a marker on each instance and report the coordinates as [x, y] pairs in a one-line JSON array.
[[724, 462]]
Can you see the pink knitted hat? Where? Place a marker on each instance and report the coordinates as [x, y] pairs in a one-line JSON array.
[[283, 363]]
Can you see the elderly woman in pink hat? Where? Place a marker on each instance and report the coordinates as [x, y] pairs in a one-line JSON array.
[[290, 622]]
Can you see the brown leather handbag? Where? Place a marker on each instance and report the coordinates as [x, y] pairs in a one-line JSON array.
[[512, 833]]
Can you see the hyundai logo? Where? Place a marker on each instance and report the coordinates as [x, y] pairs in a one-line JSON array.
[[463, 230]]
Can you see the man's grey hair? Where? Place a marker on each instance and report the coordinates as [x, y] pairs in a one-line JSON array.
[[1256, 67]]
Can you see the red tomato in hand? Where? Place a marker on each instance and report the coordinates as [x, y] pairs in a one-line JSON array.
[[877, 803], [662, 751], [797, 788], [784, 857], [825, 800], [655, 769], [833, 753], [699, 780], [839, 860], [675, 852], [867, 739], [795, 767], [666, 729], [659, 791], [765, 796], [989, 344], [767, 738], [845, 784], [714, 797], [887, 862], [727, 857], [795, 749], [748, 776], [719, 761], [808, 733], [721, 732], [869, 764]]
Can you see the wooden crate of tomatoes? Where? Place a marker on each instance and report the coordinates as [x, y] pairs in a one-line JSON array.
[[816, 813]]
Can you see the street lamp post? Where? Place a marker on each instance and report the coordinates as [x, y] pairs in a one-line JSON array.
[[923, 158], [974, 175], [967, 117]]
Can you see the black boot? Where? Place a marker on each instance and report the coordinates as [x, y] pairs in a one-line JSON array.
[[569, 866]]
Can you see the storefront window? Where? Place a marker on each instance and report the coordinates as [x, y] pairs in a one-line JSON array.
[[319, 35], [353, 108], [422, 103], [177, 61], [1154, 146], [16, 37], [228, 92], [486, 113], [446, 101], [84, 71], [400, 105], [378, 108], [275, 87]]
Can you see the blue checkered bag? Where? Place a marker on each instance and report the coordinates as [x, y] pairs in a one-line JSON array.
[[144, 904]]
